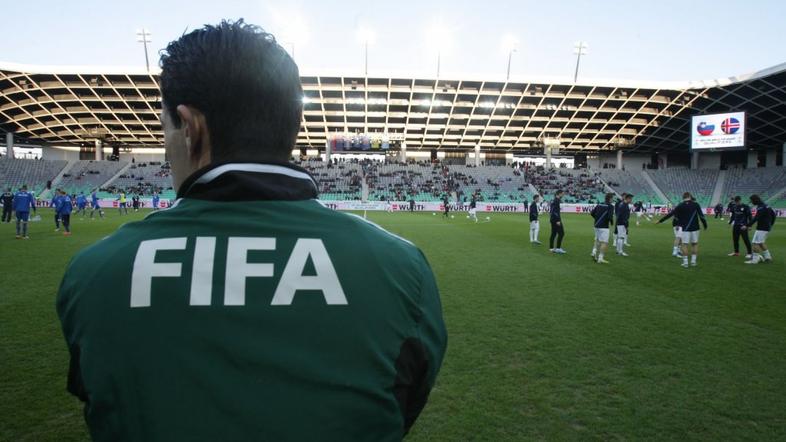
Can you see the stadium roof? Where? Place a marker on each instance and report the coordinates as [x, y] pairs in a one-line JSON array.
[[75, 105]]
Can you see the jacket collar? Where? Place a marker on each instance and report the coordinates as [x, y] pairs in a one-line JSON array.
[[249, 182]]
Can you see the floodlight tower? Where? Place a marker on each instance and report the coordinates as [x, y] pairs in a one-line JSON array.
[[143, 36], [439, 38], [295, 34], [366, 37], [579, 48], [510, 45]]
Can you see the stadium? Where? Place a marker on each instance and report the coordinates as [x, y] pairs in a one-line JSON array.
[[541, 345]]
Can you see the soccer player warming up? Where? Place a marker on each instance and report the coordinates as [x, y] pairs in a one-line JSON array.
[[688, 214], [764, 219], [446, 203], [603, 214], [53, 204], [534, 225], [473, 209], [739, 217], [623, 216], [557, 229], [64, 209], [95, 205], [123, 205], [8, 205], [81, 204], [23, 202]]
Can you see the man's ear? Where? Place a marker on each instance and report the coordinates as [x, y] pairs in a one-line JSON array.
[[193, 123]]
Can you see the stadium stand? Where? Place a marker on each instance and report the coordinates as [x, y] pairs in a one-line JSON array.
[[421, 181], [631, 182], [144, 179], [764, 181], [429, 182], [579, 185], [674, 182], [35, 173], [84, 176], [337, 181]]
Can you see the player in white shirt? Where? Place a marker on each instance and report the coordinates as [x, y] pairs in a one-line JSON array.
[[473, 210], [534, 223]]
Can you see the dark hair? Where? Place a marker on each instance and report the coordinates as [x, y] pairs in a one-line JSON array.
[[559, 192], [245, 84], [627, 195], [687, 196], [609, 197], [737, 199], [756, 199]]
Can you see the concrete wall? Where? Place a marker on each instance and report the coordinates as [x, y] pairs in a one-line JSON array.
[[631, 161], [709, 160], [50, 153], [141, 158]]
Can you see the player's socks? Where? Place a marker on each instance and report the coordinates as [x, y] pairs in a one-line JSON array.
[[24, 229], [685, 260], [693, 259], [18, 227], [766, 255]]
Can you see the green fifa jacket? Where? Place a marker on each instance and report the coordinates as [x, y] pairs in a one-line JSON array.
[[248, 311]]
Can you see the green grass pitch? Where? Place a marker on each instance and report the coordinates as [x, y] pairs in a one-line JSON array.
[[541, 346]]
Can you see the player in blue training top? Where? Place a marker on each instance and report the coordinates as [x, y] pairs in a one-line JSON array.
[[23, 202], [81, 204], [156, 200], [53, 204], [64, 209], [95, 204]]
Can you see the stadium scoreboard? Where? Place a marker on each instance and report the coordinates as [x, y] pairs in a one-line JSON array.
[[718, 131]]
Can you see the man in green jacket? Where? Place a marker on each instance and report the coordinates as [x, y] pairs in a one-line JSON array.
[[247, 311]]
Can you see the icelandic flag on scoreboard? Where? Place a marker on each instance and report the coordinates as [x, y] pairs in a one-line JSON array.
[[730, 126], [707, 129]]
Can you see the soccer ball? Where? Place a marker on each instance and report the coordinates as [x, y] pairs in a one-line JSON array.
[[467, 216], [433, 213], [488, 218], [452, 216]]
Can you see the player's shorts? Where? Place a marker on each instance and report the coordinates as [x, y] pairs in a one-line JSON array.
[[622, 230], [760, 237], [602, 235], [122, 204], [533, 224], [690, 237], [678, 232], [638, 214], [96, 205], [473, 211], [23, 216], [81, 206]]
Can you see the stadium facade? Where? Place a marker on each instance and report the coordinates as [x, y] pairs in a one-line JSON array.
[[111, 107]]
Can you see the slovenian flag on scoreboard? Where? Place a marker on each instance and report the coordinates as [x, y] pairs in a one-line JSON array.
[[730, 126], [706, 129]]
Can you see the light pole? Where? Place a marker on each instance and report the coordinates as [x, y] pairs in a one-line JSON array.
[[579, 48], [439, 38], [509, 44], [367, 37], [295, 34], [143, 36]]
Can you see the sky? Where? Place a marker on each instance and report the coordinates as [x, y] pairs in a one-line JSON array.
[[665, 40]]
